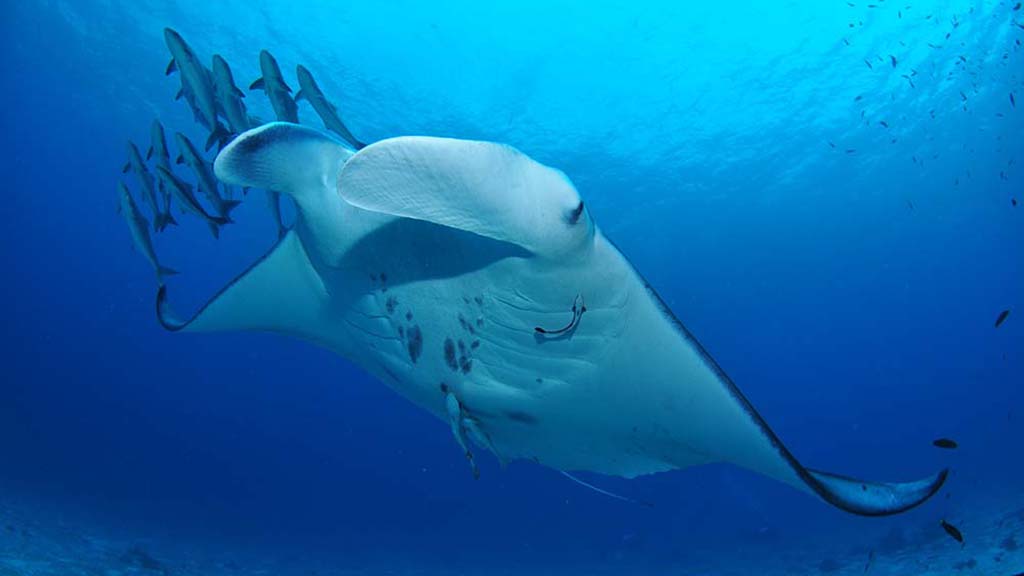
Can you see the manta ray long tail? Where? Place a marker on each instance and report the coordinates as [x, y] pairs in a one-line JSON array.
[[605, 492]]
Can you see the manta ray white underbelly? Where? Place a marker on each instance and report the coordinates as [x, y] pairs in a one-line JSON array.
[[473, 281]]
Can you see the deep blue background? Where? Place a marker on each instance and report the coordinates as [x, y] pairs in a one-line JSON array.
[[851, 296]]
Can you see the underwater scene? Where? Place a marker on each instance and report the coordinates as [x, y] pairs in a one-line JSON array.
[[514, 287]]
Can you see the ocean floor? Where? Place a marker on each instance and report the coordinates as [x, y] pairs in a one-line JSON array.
[[43, 540]]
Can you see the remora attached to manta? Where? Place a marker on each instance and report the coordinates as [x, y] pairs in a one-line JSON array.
[[472, 280]]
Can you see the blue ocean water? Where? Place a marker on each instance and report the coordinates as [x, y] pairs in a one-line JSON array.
[[824, 192]]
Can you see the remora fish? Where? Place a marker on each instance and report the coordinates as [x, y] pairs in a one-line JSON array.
[[229, 97], [207, 182], [196, 85], [280, 95], [137, 165], [182, 191], [140, 232], [310, 92], [272, 82], [161, 157], [397, 241]]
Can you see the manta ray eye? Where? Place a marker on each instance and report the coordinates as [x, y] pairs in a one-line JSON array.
[[574, 215]]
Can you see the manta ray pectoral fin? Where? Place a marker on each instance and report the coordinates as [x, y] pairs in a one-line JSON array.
[[874, 498], [488, 189], [281, 292]]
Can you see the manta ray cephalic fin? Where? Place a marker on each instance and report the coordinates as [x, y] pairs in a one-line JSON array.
[[489, 189]]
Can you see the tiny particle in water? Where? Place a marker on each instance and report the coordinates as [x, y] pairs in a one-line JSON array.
[[883, 123], [866, 61], [1002, 315], [1013, 202], [944, 443], [851, 150], [1013, 101], [953, 532], [892, 59]]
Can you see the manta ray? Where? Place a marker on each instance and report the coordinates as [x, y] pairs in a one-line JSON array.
[[473, 280]]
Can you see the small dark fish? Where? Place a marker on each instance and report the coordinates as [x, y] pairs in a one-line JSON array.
[[1002, 315], [945, 443], [858, 98], [831, 144], [883, 123], [845, 41], [952, 531], [892, 59], [868, 62], [851, 150]]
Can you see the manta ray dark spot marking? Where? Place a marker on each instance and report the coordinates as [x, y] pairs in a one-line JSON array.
[[390, 304], [449, 355], [415, 343], [479, 300], [475, 344], [573, 215], [521, 417], [465, 364], [401, 332], [408, 316]]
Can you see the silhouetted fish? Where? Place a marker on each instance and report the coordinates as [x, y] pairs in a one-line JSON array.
[[871, 560], [1002, 315], [953, 532], [945, 443], [892, 59], [1013, 101]]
